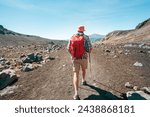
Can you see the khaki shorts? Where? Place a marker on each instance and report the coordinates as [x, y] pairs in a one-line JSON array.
[[83, 63]]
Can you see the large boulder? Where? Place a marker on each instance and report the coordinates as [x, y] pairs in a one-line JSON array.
[[32, 57], [137, 95], [7, 77], [26, 59]]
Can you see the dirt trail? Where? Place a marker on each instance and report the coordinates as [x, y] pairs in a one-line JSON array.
[[54, 79], [95, 90]]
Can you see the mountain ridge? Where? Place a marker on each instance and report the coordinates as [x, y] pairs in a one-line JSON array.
[[141, 34], [5, 31], [11, 38]]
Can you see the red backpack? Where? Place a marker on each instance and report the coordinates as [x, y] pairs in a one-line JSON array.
[[77, 49]]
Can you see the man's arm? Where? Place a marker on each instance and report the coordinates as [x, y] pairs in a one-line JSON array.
[[68, 46], [88, 44]]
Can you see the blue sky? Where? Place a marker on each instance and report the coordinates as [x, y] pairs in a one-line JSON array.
[[59, 19]]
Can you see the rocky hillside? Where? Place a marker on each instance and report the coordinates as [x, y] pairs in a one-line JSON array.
[[11, 38], [141, 34]]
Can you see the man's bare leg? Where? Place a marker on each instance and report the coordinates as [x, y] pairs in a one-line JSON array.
[[76, 82], [83, 75]]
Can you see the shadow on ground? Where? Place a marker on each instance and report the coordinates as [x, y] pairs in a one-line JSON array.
[[103, 95]]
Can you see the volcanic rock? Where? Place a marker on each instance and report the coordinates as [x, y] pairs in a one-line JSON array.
[[137, 95], [27, 67], [7, 77], [128, 85]]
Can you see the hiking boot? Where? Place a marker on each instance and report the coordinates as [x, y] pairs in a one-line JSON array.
[[76, 97], [84, 83]]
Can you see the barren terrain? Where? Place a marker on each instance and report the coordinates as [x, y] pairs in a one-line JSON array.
[[111, 65]]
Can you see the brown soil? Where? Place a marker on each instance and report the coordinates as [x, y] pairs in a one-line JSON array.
[[53, 81]]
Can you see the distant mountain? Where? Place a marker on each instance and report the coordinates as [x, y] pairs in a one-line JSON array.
[[4, 31], [141, 34], [95, 37], [11, 38]]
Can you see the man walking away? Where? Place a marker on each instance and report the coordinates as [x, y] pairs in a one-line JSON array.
[[79, 46]]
